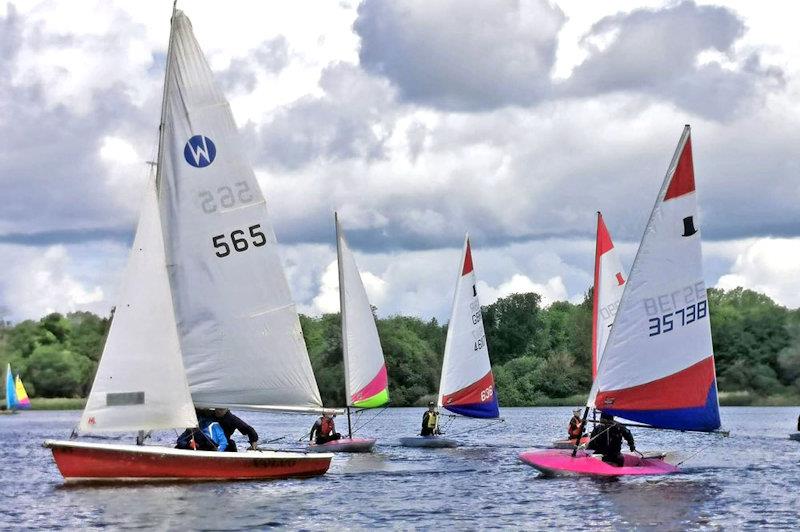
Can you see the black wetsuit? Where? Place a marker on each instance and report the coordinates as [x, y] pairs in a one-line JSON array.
[[607, 440], [426, 429], [231, 423]]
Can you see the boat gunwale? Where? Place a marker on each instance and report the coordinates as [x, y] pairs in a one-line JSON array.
[[185, 453]]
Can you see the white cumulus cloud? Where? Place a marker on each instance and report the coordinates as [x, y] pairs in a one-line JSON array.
[[768, 265]]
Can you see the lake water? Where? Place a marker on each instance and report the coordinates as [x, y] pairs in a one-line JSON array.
[[749, 480]]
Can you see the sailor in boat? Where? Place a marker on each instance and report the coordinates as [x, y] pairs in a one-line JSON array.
[[230, 423], [207, 436], [574, 428], [606, 439], [324, 429], [430, 421]]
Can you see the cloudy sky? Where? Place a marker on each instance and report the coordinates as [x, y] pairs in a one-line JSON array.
[[418, 121]]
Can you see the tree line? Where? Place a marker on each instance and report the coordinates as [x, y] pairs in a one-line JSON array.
[[539, 354]]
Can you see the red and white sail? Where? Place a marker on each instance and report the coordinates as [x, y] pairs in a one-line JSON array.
[[609, 283], [658, 364], [467, 384]]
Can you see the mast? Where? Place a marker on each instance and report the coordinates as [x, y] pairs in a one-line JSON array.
[[164, 93], [596, 295], [343, 319]]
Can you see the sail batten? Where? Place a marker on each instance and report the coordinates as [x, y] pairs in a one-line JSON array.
[[467, 386], [658, 364], [366, 380]]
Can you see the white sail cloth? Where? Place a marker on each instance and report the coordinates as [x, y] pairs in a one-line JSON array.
[[140, 383], [363, 355], [658, 364], [467, 385], [240, 334]]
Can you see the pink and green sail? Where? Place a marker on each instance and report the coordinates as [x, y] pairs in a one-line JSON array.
[[366, 381]]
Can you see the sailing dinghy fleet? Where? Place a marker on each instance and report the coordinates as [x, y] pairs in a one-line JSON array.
[[205, 319]]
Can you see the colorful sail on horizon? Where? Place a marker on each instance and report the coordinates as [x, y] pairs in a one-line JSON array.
[[609, 283], [366, 380], [467, 384], [16, 396], [658, 364], [11, 399], [22, 395]]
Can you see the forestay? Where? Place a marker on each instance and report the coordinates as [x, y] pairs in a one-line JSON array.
[[366, 380], [240, 334], [609, 282], [140, 383], [467, 384], [658, 364]]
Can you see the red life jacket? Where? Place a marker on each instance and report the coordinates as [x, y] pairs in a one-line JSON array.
[[326, 426]]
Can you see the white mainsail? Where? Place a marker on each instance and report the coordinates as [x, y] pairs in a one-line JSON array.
[[466, 386], [240, 334], [658, 364], [609, 283], [140, 382], [365, 369]]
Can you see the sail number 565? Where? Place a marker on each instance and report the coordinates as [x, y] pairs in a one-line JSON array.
[[238, 241]]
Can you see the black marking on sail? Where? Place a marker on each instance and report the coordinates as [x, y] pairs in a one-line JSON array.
[[474, 291], [124, 398], [688, 226]]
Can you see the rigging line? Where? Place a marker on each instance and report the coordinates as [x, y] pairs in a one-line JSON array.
[[480, 427], [702, 450], [367, 422]]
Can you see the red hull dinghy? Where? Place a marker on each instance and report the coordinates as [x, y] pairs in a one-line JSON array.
[[205, 257], [97, 462]]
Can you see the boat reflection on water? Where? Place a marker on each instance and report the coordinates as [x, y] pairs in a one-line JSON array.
[[665, 504]]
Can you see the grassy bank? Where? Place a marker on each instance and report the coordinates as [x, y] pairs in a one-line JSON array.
[[57, 403], [751, 399]]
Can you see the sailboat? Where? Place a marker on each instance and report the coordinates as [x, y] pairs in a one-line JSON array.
[[609, 282], [365, 377], [16, 395], [657, 368], [204, 316], [466, 386]]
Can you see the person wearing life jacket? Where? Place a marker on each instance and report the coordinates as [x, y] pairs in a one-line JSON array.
[[574, 428], [324, 429], [430, 421], [606, 439]]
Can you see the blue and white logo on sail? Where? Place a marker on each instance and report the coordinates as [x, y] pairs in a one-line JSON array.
[[199, 151]]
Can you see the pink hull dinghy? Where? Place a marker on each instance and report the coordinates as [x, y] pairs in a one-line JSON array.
[[344, 445], [553, 463]]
